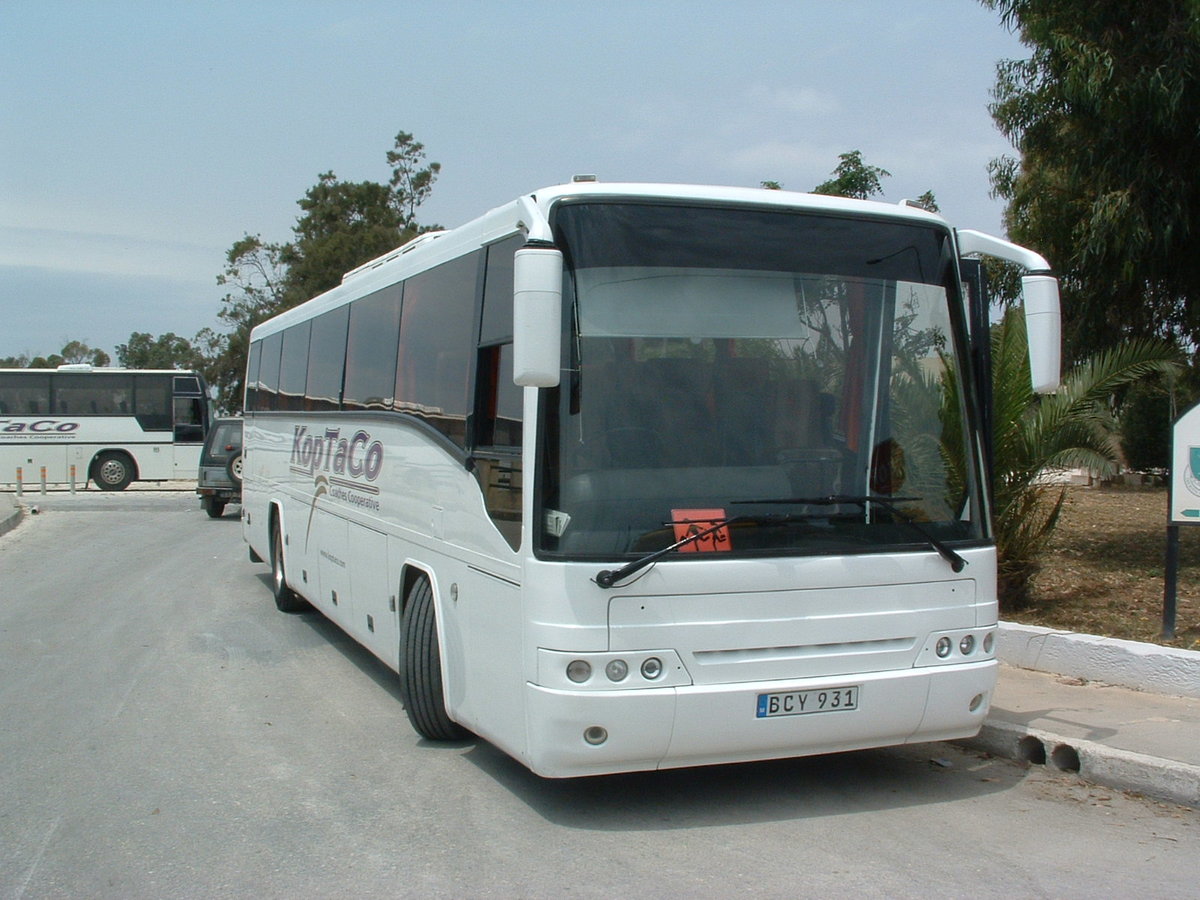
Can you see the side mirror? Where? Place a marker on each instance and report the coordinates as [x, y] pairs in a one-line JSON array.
[[537, 316], [1043, 327]]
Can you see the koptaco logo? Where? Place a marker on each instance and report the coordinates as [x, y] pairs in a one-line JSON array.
[[41, 426], [357, 456]]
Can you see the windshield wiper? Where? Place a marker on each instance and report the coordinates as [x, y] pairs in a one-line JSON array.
[[609, 577], [957, 563]]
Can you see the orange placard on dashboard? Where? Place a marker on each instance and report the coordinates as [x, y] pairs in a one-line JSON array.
[[694, 521]]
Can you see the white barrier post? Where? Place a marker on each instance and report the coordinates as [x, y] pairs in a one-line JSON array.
[[43, 481], [20, 486], [72, 478]]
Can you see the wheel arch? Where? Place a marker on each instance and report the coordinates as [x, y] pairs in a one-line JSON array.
[[428, 721], [117, 451], [275, 521]]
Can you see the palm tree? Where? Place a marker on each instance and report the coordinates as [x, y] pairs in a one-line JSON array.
[[1034, 435]]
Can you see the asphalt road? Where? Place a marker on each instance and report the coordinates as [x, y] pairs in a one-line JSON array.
[[167, 733]]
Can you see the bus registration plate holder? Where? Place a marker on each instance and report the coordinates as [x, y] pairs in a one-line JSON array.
[[803, 703]]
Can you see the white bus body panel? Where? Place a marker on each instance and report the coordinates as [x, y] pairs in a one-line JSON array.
[[59, 442]]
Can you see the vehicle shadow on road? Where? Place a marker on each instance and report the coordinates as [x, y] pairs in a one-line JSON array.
[[326, 632], [777, 790]]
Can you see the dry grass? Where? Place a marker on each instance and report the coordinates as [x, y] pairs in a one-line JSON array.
[[1103, 569]]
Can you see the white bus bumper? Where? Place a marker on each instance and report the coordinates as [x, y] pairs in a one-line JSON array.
[[573, 733]]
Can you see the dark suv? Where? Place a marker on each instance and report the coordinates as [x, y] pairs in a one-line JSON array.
[[220, 478]]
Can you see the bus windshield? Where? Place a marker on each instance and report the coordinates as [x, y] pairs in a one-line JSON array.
[[797, 373]]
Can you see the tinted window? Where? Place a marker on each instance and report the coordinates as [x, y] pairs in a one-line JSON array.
[[224, 440], [24, 395], [326, 358], [97, 394], [187, 386], [437, 343], [501, 410], [152, 402], [371, 350], [498, 291], [251, 385], [268, 370], [293, 366]]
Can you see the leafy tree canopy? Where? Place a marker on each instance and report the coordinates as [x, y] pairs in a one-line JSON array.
[[854, 178], [73, 352], [343, 224], [1103, 115], [167, 351]]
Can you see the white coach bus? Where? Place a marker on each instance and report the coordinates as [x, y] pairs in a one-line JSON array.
[[112, 426], [626, 477]]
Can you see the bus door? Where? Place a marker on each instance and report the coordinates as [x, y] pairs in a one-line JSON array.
[[189, 424]]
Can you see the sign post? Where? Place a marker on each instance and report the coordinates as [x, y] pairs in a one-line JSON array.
[[1183, 504]]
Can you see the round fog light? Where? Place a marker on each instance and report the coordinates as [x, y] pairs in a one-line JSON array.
[[616, 670], [579, 670], [967, 644], [989, 641], [943, 647], [976, 702], [595, 735], [652, 668]]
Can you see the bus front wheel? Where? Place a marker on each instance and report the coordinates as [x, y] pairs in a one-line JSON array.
[[421, 668], [112, 471], [286, 599]]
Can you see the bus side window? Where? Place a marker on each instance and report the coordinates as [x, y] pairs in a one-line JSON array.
[[498, 431], [189, 420]]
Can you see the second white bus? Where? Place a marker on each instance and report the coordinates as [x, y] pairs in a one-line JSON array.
[[111, 426]]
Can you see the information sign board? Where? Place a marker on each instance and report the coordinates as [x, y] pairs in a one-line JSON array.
[[1184, 508]]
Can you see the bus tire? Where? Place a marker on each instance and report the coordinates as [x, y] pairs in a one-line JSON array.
[[286, 599], [421, 668], [112, 471]]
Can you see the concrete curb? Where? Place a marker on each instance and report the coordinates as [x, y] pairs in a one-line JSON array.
[[10, 513], [1121, 770], [1131, 664]]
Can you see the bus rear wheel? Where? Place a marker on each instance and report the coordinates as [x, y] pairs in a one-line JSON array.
[[421, 668], [286, 599], [112, 471]]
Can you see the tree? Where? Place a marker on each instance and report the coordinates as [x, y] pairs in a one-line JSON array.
[[1103, 115], [167, 351], [1074, 428], [410, 184], [343, 225], [73, 353], [853, 178]]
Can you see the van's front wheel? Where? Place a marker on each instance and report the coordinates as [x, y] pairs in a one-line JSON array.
[[421, 668]]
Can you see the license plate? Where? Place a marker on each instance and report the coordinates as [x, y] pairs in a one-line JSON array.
[[803, 703]]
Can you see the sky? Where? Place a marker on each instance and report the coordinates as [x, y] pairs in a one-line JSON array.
[[140, 140]]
